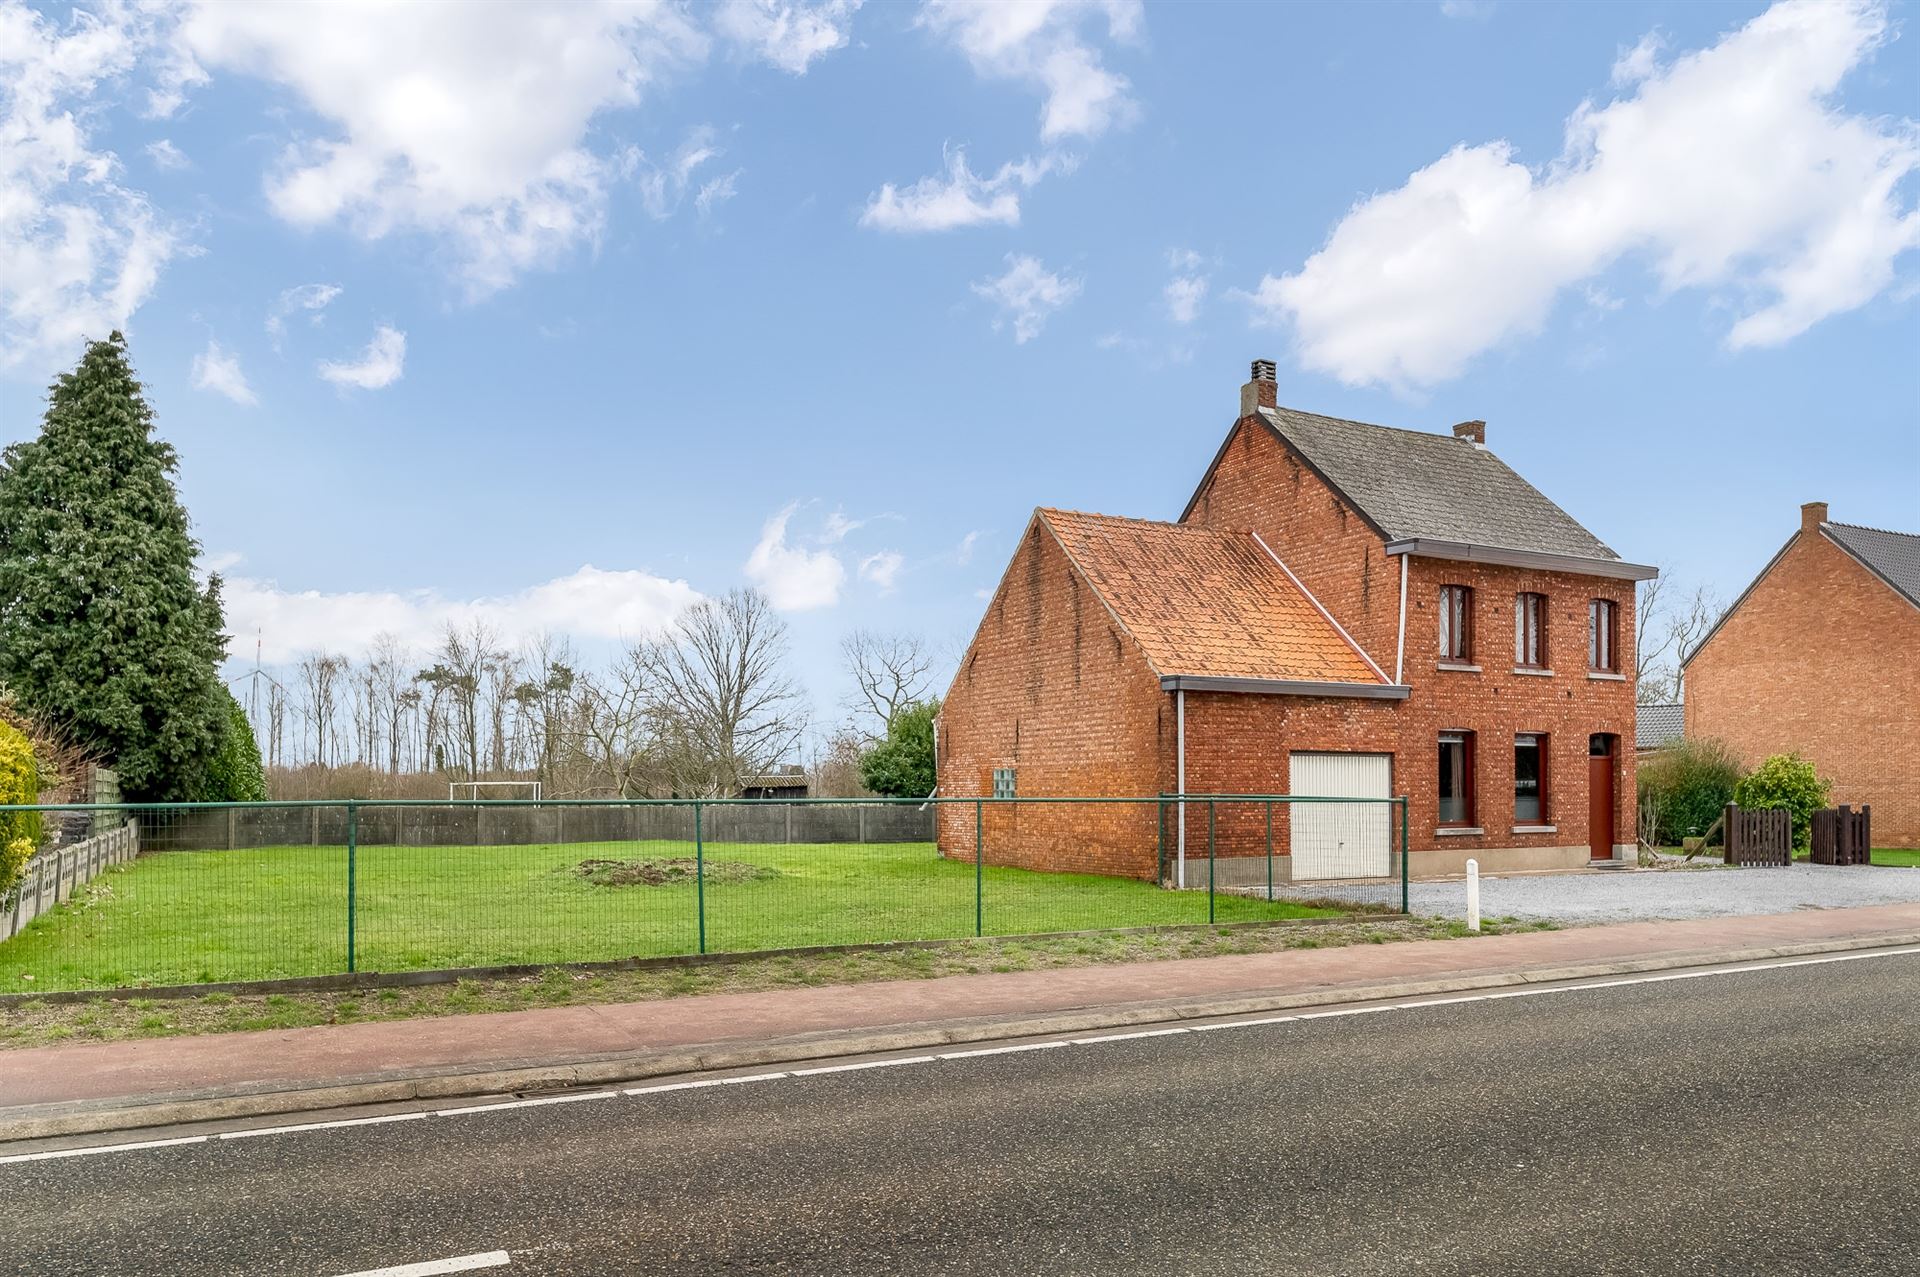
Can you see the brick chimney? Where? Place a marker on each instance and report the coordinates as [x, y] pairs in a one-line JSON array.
[[1812, 515], [1261, 391], [1472, 432]]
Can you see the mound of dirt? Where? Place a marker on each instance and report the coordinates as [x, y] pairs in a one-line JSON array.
[[664, 871]]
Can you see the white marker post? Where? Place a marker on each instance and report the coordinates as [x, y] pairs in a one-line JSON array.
[[1473, 895]]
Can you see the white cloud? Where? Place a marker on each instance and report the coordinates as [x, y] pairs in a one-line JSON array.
[[795, 579], [789, 36], [1188, 288], [664, 186], [1039, 42], [312, 298], [1733, 169], [218, 369], [963, 553], [79, 251], [165, 155], [1467, 10], [437, 120], [715, 193], [590, 603], [380, 365], [1027, 293], [956, 198], [882, 568]]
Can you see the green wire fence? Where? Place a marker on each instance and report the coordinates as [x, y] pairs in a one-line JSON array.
[[126, 895]]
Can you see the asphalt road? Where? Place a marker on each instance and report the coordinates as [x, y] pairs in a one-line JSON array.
[[1758, 1122]]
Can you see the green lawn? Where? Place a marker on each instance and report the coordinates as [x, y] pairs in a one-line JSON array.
[[190, 917], [1900, 857]]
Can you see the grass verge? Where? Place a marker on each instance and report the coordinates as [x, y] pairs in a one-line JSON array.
[[197, 917], [33, 1024]]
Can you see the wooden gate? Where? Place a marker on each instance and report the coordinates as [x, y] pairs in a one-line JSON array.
[[1762, 837], [1842, 836]]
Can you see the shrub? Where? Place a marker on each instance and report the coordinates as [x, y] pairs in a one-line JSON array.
[[19, 784], [901, 766], [1786, 780], [234, 774], [1684, 787]]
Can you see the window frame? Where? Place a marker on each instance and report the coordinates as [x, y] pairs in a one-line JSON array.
[[1530, 620], [1603, 632], [1542, 785], [1456, 610], [1468, 806]]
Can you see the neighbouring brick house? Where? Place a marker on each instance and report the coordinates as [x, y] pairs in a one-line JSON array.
[[1821, 657], [1343, 610]]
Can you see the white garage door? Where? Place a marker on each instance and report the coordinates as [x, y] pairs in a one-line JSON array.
[[1341, 840]]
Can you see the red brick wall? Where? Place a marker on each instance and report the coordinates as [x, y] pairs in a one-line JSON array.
[[1050, 686], [1820, 659], [1259, 485]]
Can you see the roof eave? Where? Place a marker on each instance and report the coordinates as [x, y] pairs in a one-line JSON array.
[[1510, 556], [1282, 687]]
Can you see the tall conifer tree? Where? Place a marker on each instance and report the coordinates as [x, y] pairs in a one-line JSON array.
[[103, 627]]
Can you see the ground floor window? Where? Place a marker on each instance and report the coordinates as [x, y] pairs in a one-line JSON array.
[[1003, 782], [1456, 778], [1529, 779]]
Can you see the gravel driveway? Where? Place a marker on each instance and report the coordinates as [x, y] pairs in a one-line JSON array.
[[1640, 895]]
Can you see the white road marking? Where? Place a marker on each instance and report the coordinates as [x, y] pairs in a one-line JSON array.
[[323, 1126], [865, 1064], [1128, 1037], [540, 1102], [1002, 1050], [434, 1267], [497, 1258]]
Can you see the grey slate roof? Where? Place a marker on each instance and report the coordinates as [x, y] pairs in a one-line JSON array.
[[1657, 725], [1892, 556], [1414, 484]]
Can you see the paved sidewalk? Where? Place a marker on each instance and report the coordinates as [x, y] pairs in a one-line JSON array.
[[102, 1076]]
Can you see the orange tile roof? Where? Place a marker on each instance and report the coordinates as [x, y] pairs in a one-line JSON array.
[[1201, 602]]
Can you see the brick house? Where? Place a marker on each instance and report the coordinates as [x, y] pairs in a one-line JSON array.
[[1343, 610], [1818, 657]]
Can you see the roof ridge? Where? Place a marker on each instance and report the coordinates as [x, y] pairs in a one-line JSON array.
[[1371, 425], [1868, 527], [1124, 518]]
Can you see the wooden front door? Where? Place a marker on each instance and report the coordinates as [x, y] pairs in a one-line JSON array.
[[1600, 761]]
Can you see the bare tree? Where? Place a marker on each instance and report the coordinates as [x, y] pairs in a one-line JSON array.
[[834, 769], [1666, 627], [889, 673], [320, 674], [609, 742], [725, 707]]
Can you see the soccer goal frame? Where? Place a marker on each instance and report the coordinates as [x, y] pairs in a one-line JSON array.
[[473, 788]]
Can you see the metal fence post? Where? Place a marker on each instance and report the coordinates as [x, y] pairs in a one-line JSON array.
[[979, 871], [1210, 806], [1269, 850], [1404, 856], [1160, 844], [700, 873], [353, 839]]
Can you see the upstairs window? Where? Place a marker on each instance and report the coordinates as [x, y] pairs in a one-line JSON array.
[[1530, 631], [1600, 636], [1456, 623], [1529, 779], [1003, 782], [1456, 778]]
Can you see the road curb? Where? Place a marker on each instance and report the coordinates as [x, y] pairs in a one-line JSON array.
[[95, 1117]]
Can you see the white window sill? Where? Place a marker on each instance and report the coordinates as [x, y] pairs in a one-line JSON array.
[[1455, 667], [1457, 831], [1536, 829], [1601, 676], [1532, 673]]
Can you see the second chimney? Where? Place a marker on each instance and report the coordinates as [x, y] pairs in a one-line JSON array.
[[1261, 391], [1472, 432], [1812, 515]]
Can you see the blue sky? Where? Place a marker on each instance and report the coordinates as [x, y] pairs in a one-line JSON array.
[[443, 308]]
